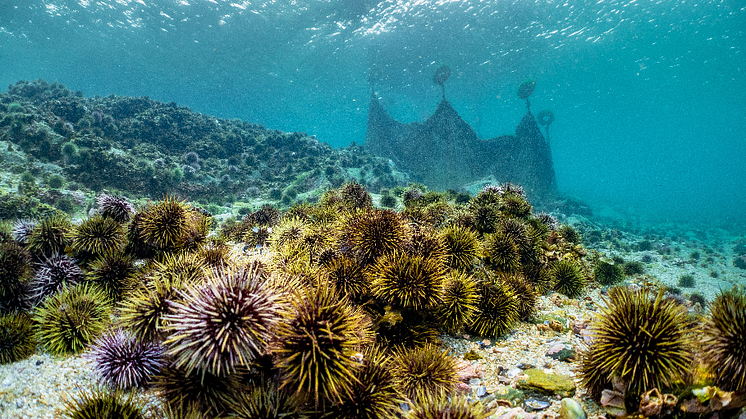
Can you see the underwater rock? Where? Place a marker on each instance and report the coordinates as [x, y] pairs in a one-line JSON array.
[[446, 142], [141, 146]]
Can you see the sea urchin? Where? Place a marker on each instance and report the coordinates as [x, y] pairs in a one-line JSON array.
[[222, 323]]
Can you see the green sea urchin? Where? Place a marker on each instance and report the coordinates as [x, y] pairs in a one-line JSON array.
[[114, 272], [425, 372], [264, 400], [71, 319], [641, 339], [607, 273], [501, 253], [50, 236], [347, 276], [568, 279], [540, 277], [462, 246], [355, 196], [102, 403], [724, 348], [376, 232], [164, 223], [203, 392], [497, 310], [460, 297], [525, 293], [315, 343], [448, 408], [375, 394], [407, 281], [16, 338], [15, 273], [143, 311], [98, 235]]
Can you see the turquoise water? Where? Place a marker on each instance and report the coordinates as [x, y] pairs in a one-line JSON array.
[[649, 96]]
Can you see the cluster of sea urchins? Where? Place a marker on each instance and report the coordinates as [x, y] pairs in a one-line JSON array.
[[346, 294], [644, 342]]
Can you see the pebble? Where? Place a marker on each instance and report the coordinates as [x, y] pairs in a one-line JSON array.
[[536, 404], [466, 371], [512, 373], [481, 391], [462, 387], [475, 382], [571, 409], [561, 352]]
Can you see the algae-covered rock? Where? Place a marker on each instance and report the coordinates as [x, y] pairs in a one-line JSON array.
[[472, 355], [547, 383]]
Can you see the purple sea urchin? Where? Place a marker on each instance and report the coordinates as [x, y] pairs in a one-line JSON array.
[[115, 208], [54, 273], [22, 229], [223, 323], [122, 362]]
